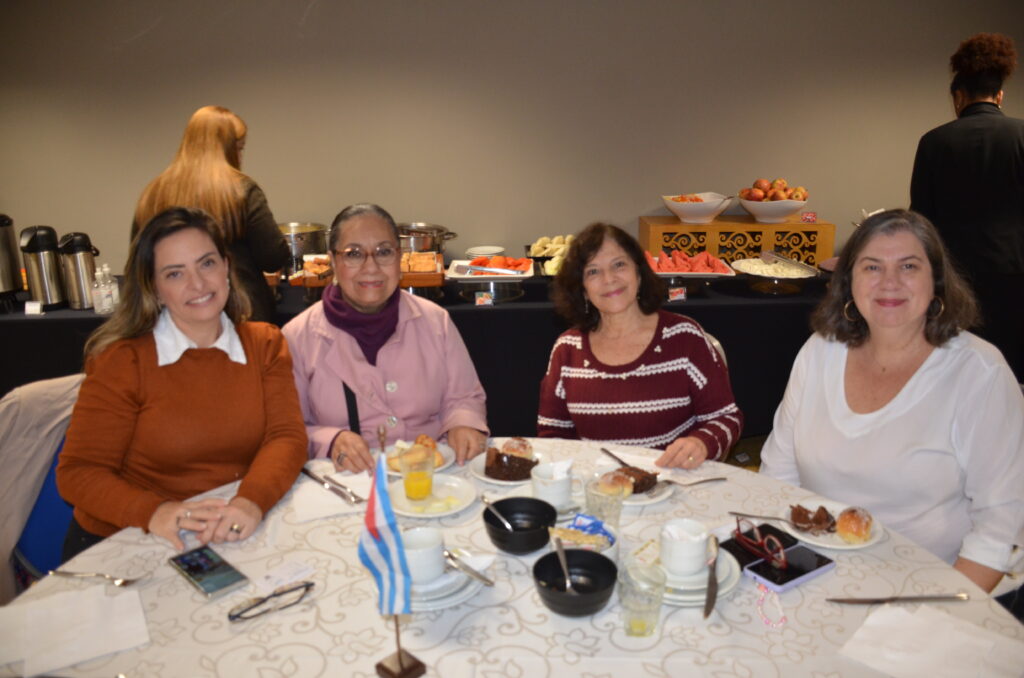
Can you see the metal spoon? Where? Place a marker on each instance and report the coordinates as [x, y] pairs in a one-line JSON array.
[[497, 514], [116, 581], [560, 550]]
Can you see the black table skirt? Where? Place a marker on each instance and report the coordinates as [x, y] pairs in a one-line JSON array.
[[509, 343]]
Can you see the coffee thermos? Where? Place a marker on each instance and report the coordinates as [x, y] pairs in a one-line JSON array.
[[79, 266], [10, 265], [39, 252]]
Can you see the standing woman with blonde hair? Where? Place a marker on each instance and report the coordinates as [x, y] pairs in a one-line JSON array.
[[205, 173]]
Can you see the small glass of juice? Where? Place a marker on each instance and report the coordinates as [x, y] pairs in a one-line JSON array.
[[417, 465], [641, 590]]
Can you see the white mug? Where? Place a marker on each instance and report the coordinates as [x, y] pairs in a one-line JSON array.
[[684, 546], [424, 552], [555, 491]]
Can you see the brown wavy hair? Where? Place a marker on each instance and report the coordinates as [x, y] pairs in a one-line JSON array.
[[952, 310], [204, 173], [568, 294], [139, 309], [981, 65]]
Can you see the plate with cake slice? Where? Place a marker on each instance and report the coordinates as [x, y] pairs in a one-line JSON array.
[[507, 462], [646, 489]]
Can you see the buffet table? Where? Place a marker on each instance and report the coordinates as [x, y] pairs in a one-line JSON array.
[[509, 344], [505, 630]]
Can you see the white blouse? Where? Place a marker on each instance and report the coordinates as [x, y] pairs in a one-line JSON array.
[[942, 463]]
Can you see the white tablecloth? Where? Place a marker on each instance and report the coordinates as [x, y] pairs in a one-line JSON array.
[[505, 630]]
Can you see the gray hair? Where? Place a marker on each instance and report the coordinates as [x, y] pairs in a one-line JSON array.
[[353, 211]]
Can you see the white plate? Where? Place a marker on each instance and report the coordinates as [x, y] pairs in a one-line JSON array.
[[660, 494], [831, 540], [477, 467], [470, 588], [450, 274], [447, 584], [444, 486], [728, 573], [447, 453]]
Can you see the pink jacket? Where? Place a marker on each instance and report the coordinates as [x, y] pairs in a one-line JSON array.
[[424, 380]]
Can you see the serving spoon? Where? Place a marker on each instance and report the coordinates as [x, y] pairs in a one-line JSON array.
[[560, 550], [497, 514]]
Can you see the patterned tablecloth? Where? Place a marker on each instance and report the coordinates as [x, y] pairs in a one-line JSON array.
[[505, 630]]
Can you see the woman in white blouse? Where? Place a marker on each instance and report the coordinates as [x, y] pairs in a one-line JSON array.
[[893, 407]]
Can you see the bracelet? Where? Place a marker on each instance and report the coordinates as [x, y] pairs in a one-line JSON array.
[[778, 607]]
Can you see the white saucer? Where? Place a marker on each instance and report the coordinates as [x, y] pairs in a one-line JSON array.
[[444, 486], [728, 574], [690, 582], [447, 454], [478, 464], [470, 587], [445, 585]]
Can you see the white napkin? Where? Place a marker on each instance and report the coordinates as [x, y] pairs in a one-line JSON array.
[[560, 469], [71, 627], [478, 561], [643, 461], [312, 501], [929, 642]]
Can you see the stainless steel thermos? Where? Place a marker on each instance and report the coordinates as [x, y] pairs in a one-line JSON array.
[[79, 266], [39, 252]]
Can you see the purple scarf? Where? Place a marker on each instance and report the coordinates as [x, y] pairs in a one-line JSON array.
[[370, 330]]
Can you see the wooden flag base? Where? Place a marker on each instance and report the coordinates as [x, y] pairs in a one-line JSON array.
[[406, 666]]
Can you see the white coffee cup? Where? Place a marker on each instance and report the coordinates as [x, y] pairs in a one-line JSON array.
[[555, 491], [424, 552], [684, 546]]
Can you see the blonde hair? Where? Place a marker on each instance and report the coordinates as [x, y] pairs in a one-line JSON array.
[[139, 309], [204, 173]]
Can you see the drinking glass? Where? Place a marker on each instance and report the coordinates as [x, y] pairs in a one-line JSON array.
[[641, 591], [605, 507], [417, 474]]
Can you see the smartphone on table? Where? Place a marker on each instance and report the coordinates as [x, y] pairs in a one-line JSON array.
[[802, 564], [208, 572], [745, 557]]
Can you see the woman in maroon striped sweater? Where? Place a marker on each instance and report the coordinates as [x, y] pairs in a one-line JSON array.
[[628, 372]]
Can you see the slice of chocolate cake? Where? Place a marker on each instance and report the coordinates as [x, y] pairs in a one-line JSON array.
[[507, 466], [642, 480]]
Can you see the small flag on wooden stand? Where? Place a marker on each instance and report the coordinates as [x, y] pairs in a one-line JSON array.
[[381, 550]]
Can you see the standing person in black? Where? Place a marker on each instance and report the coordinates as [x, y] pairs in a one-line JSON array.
[[205, 173], [969, 181]]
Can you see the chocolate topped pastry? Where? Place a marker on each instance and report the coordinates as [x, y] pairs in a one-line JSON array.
[[819, 522], [642, 480], [513, 462]]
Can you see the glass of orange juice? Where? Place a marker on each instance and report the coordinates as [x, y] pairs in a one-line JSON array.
[[417, 465]]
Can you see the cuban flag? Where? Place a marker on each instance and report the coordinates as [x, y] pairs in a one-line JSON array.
[[381, 550]]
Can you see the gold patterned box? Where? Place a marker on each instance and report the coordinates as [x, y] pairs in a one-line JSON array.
[[737, 236]]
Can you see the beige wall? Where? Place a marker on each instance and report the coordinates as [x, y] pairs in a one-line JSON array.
[[501, 120]]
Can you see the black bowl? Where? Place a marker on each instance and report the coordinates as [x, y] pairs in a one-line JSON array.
[[530, 520], [593, 576]]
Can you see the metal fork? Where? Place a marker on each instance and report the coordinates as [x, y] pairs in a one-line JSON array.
[[116, 581], [356, 499]]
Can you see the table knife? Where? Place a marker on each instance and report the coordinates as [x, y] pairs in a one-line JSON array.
[[464, 269], [330, 488], [455, 562], [712, 594], [941, 598], [612, 455]]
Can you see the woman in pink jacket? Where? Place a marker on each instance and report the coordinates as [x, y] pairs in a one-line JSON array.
[[370, 354]]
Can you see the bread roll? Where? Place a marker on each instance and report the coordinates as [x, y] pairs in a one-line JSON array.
[[615, 483], [854, 525]]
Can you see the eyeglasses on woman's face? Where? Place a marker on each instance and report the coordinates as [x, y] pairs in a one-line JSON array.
[[355, 257]]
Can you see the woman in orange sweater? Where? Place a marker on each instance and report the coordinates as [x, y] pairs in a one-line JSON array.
[[180, 396]]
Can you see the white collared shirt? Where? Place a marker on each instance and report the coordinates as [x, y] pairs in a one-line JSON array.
[[171, 342]]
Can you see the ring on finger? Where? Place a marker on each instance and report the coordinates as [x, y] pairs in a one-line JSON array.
[[236, 528], [188, 513], [341, 458]]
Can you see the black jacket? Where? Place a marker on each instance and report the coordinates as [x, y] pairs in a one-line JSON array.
[[969, 181], [262, 247]]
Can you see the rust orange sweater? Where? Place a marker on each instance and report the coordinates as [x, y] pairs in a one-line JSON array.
[[142, 434]]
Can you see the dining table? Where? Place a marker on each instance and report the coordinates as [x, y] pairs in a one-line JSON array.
[[504, 629]]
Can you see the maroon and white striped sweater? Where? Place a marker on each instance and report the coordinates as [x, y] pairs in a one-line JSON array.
[[678, 387]]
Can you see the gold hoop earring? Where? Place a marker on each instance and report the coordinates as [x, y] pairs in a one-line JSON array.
[[942, 308], [846, 311]]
